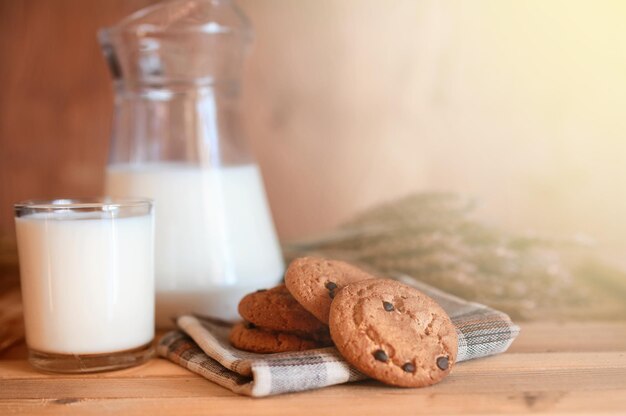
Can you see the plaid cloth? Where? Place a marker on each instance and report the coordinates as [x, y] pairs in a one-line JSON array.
[[202, 346]]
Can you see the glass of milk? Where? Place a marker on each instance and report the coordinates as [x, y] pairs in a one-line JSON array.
[[87, 277], [177, 138]]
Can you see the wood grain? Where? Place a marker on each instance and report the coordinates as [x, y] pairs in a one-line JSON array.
[[589, 379], [55, 106], [353, 400], [510, 383], [570, 337], [350, 103], [568, 371], [11, 320]]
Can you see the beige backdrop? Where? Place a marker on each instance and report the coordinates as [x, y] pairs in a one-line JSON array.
[[351, 102]]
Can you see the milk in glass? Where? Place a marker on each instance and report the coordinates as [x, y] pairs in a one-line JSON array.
[[215, 240], [177, 137], [87, 281]]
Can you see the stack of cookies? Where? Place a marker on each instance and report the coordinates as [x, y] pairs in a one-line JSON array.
[[275, 322], [387, 330]]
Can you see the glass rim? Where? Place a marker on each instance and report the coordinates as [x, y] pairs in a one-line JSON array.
[[83, 204], [106, 33], [147, 29]]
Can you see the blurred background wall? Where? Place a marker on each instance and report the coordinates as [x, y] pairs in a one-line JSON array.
[[353, 102]]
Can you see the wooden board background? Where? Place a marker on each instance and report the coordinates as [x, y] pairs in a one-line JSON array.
[[353, 102], [553, 368]]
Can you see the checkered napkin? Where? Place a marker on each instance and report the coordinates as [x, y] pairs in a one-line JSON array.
[[202, 346]]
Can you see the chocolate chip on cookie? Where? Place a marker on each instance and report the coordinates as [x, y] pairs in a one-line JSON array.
[[442, 363], [381, 355], [408, 367], [315, 282], [275, 309], [393, 333], [264, 342]]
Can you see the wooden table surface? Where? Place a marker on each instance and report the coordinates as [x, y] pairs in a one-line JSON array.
[[552, 368]]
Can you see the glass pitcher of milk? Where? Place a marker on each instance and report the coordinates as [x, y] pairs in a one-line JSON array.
[[177, 139]]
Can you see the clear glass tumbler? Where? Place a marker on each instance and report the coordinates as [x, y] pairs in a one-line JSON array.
[[87, 276]]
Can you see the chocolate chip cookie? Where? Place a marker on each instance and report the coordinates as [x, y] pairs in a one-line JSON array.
[[275, 309], [393, 333], [314, 282], [249, 338]]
